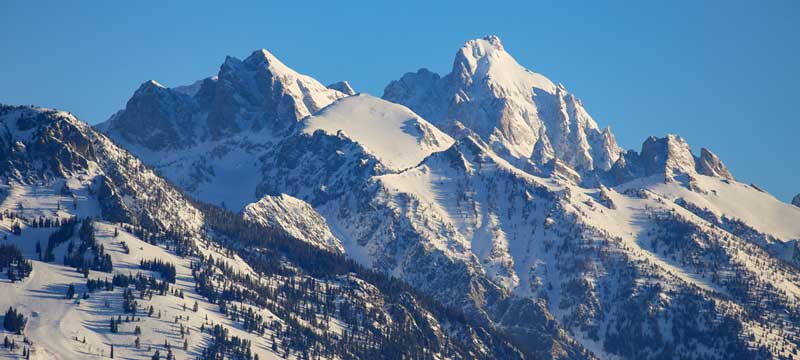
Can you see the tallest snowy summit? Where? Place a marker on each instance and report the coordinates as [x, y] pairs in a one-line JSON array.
[[523, 115]]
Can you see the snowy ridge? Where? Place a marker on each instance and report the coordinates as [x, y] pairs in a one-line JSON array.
[[395, 135]]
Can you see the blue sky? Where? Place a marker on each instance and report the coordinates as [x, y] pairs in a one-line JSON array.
[[722, 74]]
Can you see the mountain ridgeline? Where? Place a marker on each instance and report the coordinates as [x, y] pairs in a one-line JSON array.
[[478, 214]]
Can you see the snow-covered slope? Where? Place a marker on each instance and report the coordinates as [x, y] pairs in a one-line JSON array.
[[736, 200], [394, 134], [60, 328]]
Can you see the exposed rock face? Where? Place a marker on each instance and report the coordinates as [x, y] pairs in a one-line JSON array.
[[796, 200], [261, 92], [343, 87], [521, 114], [711, 165], [157, 118], [394, 230], [38, 142], [112, 205], [671, 156]]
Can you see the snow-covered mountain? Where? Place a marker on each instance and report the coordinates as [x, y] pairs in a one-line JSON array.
[[525, 117], [208, 135], [104, 259], [492, 191], [470, 228], [259, 93]]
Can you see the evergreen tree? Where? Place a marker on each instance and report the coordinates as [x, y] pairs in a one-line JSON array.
[[14, 321]]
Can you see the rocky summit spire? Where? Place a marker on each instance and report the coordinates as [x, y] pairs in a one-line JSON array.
[[523, 115], [710, 164]]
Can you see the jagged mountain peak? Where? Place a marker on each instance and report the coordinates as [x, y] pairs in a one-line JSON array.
[[38, 124], [492, 40], [259, 94], [454, 214], [264, 57], [508, 106], [486, 60], [710, 164], [487, 46], [272, 95], [670, 155], [151, 85], [129, 217]]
